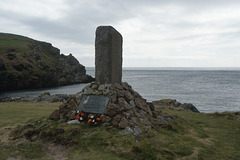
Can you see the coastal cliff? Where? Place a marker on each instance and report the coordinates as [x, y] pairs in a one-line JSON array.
[[26, 63]]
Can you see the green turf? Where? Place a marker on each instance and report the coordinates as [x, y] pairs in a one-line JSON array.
[[189, 136]]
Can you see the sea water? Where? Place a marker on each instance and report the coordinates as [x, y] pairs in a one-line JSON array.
[[209, 89]]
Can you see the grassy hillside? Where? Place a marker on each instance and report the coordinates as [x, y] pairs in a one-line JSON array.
[[189, 136], [27, 63], [21, 44]]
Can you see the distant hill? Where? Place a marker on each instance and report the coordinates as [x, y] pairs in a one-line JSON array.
[[26, 63]]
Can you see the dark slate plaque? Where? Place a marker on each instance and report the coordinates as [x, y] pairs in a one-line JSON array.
[[93, 104]]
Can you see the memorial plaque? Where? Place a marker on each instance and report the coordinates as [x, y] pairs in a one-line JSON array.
[[93, 104]]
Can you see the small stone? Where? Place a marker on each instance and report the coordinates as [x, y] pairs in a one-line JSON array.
[[79, 95], [151, 106], [135, 120], [136, 112], [131, 113], [123, 123], [61, 121], [123, 103], [101, 87], [161, 119], [73, 122], [136, 95], [141, 104], [94, 86], [87, 134], [137, 130], [112, 109], [143, 113], [105, 118], [131, 123], [118, 86], [106, 91], [90, 85], [154, 114], [127, 131], [128, 115], [96, 92], [113, 99], [120, 94], [137, 133], [115, 120], [132, 103], [145, 121], [106, 124], [125, 94], [125, 85], [128, 95], [88, 91]]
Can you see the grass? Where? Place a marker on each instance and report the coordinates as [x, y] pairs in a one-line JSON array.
[[18, 43], [189, 136], [20, 112], [13, 114], [23, 149], [217, 133]]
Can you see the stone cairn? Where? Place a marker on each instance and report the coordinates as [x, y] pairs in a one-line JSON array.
[[126, 110]]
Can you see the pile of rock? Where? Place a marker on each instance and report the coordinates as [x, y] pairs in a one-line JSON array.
[[126, 109], [174, 103]]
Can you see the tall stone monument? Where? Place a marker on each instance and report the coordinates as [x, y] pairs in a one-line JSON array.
[[108, 101], [108, 55]]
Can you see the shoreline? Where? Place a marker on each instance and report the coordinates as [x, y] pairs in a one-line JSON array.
[[46, 97]]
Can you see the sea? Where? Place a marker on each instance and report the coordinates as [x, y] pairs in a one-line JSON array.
[[208, 89]]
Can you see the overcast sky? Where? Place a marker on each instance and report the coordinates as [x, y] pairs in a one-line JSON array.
[[156, 33]]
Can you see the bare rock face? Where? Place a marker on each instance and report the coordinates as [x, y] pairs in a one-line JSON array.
[[108, 55]]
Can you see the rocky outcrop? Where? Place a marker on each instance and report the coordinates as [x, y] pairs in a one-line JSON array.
[[174, 103], [189, 106], [26, 63], [43, 98]]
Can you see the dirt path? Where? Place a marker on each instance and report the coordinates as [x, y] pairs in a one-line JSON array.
[[58, 152]]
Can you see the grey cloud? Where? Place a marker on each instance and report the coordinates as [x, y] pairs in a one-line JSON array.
[[83, 17], [79, 21]]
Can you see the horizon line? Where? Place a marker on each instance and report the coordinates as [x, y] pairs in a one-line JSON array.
[[177, 68]]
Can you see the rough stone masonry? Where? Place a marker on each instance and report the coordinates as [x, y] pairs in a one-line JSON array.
[[108, 55], [126, 109]]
